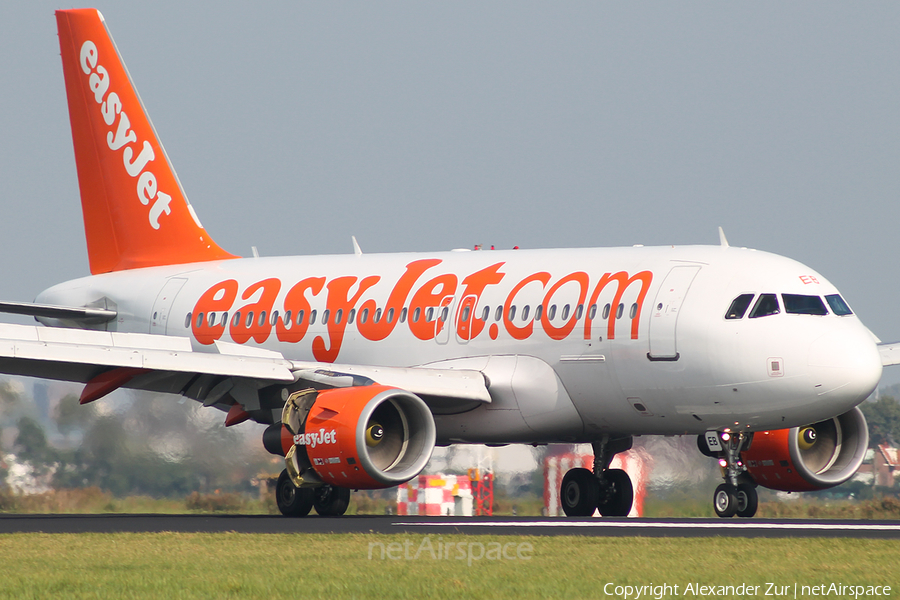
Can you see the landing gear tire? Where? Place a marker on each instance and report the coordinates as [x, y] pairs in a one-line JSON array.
[[747, 500], [725, 500], [292, 501], [617, 496], [331, 500], [579, 493]]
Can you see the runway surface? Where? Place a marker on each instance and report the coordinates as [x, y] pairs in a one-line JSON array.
[[747, 528]]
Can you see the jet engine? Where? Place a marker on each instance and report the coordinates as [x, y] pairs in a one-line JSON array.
[[364, 437], [815, 457]]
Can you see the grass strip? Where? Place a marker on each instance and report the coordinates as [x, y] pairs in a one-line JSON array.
[[234, 565]]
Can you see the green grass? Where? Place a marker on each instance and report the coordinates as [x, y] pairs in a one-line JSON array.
[[232, 565]]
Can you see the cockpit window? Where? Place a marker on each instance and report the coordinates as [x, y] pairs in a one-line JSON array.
[[838, 306], [765, 306], [739, 306], [796, 304]]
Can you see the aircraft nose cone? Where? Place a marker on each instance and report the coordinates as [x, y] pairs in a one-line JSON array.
[[845, 365]]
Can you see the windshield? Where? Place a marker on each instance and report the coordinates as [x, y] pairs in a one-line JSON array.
[[765, 306], [838, 306], [797, 304]]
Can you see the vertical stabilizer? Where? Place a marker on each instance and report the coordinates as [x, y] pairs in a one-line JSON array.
[[135, 212]]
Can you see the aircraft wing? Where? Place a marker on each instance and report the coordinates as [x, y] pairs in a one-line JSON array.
[[105, 361], [890, 353]]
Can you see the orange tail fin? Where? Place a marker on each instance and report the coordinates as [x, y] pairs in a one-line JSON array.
[[135, 212]]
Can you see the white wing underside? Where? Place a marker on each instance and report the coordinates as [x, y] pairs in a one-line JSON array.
[[169, 364], [890, 353]]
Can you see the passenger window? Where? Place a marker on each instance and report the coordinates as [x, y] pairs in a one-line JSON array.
[[403, 315], [262, 319], [211, 319], [274, 316], [765, 306], [364, 316], [796, 304], [525, 312], [224, 320], [498, 314], [325, 316], [287, 318], [619, 310], [187, 321], [579, 311], [249, 322], [739, 306], [338, 316], [377, 317], [445, 313], [565, 312], [416, 314], [552, 312], [538, 311], [390, 315], [512, 313], [465, 313], [593, 311], [199, 319], [838, 306], [236, 320], [633, 312], [300, 315], [312, 317], [429, 315], [350, 316], [606, 311], [485, 313]]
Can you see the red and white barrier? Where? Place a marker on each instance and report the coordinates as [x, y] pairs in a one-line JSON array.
[[436, 495]]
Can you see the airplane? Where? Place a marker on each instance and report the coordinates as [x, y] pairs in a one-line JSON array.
[[360, 364]]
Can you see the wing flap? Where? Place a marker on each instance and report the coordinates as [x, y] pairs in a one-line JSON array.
[[91, 351]]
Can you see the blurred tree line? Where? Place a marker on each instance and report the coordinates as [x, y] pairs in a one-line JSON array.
[[133, 443], [883, 416]]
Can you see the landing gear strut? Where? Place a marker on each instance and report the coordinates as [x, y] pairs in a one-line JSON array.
[[737, 496], [607, 490]]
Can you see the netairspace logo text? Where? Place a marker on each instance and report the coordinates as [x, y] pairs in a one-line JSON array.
[[775, 590], [468, 551]]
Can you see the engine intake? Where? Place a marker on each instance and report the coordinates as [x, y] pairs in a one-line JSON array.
[[364, 437], [815, 457]]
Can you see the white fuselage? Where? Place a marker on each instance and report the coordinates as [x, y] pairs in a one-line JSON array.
[[626, 340]]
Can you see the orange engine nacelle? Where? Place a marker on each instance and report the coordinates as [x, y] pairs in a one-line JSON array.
[[365, 437], [815, 457]]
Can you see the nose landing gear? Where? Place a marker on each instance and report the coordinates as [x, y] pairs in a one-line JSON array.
[[607, 490], [737, 496]]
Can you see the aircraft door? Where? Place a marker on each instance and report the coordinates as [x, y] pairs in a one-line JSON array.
[[159, 315], [443, 320], [666, 307], [465, 316]]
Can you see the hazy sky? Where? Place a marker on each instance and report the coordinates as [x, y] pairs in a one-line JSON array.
[[433, 126]]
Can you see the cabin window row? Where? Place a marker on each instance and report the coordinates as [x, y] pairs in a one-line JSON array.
[[251, 319]]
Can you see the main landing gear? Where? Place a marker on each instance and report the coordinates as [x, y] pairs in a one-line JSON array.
[[607, 490], [737, 496], [328, 500]]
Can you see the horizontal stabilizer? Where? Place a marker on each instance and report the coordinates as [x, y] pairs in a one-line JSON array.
[[88, 316]]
